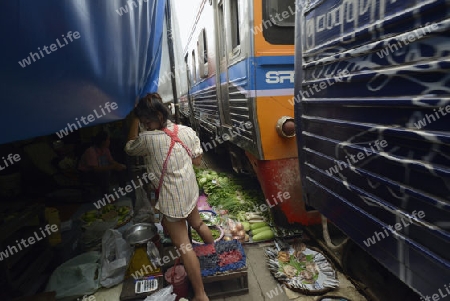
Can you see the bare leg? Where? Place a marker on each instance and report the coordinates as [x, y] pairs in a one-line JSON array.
[[202, 229], [179, 236]]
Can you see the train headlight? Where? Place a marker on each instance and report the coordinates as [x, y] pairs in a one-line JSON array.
[[286, 127]]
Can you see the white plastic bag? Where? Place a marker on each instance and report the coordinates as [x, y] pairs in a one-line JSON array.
[[91, 239], [143, 208], [116, 253], [76, 277], [163, 295]]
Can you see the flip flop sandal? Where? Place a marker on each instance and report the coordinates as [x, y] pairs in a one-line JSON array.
[[333, 298]]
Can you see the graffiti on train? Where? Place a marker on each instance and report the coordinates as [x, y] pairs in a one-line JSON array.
[[337, 21]]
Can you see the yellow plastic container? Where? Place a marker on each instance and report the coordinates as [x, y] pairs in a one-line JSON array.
[[52, 217], [140, 265]]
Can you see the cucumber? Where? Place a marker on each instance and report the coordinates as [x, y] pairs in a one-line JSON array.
[[258, 225], [265, 235], [255, 221], [259, 230], [246, 226]]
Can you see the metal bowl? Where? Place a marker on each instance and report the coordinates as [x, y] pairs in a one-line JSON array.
[[222, 234], [140, 233]]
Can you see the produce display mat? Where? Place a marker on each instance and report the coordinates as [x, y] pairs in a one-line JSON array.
[[301, 269]]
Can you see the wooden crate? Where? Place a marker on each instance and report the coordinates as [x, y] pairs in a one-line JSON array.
[[232, 283]]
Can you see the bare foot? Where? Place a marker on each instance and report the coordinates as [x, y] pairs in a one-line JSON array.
[[203, 297]]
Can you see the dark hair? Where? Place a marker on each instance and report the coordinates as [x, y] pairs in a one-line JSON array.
[[148, 108], [100, 138]]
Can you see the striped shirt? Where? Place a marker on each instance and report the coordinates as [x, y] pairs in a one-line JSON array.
[[179, 191]]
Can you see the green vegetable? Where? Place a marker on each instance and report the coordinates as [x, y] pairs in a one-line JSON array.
[[225, 193], [256, 221], [202, 182], [241, 216], [259, 230], [265, 235], [246, 226], [214, 231], [251, 216], [258, 225]]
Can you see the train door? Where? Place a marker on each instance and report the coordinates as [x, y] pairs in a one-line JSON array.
[[192, 120], [222, 70]]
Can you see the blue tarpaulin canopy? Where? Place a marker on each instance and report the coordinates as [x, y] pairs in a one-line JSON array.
[[67, 62]]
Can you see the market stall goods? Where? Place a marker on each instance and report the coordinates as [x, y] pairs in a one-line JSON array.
[[208, 258], [222, 257], [216, 232], [225, 194], [231, 255], [123, 214], [211, 219], [147, 250], [248, 208], [301, 269]]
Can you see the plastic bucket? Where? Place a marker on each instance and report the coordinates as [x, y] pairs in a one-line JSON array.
[[177, 277]]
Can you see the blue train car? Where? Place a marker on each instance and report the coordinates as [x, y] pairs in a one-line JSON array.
[[372, 110]]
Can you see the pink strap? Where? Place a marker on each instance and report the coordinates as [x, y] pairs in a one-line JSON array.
[[173, 139]]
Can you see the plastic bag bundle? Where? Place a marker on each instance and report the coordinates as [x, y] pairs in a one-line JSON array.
[[116, 253], [76, 277], [143, 208], [166, 294], [91, 239]]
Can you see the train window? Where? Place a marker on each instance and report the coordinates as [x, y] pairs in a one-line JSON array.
[[234, 24], [194, 67], [186, 58], [205, 47], [282, 12], [279, 21], [202, 49], [221, 30]]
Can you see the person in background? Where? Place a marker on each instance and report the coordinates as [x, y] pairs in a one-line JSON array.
[[143, 203], [96, 163], [170, 151]]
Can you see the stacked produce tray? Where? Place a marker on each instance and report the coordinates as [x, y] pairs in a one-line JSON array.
[[221, 257], [208, 258], [231, 256]]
